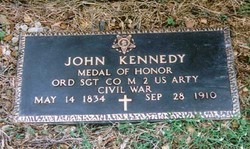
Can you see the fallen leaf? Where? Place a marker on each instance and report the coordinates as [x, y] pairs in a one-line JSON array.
[[8, 93], [235, 124], [63, 26], [130, 23], [14, 53], [14, 39], [112, 23], [189, 23], [99, 139], [64, 146], [245, 89], [7, 38], [27, 18], [203, 20], [190, 129], [24, 27], [38, 24], [4, 20], [57, 24], [188, 140], [235, 53], [7, 105], [165, 147], [121, 25], [34, 29], [124, 144], [224, 125], [7, 52]]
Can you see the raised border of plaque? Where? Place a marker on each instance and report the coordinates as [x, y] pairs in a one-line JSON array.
[[129, 116]]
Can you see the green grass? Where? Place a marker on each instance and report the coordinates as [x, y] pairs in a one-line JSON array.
[[223, 17], [170, 21], [2, 34], [245, 8], [190, 133], [81, 128]]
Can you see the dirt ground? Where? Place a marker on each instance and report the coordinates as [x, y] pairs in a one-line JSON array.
[[18, 16]]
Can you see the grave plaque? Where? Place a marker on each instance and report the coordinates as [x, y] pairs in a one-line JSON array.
[[131, 76]]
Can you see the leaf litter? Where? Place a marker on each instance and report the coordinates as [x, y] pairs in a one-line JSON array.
[[90, 16]]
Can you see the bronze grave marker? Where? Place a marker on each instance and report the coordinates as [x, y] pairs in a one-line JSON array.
[[131, 76]]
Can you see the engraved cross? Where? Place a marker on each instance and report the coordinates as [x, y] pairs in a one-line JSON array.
[[125, 100]]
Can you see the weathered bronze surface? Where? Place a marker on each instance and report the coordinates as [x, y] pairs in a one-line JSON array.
[[132, 76]]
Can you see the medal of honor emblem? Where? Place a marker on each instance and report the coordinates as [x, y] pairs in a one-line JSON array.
[[124, 43]]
